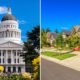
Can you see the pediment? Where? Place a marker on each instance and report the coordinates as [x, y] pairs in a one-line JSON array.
[[11, 44]]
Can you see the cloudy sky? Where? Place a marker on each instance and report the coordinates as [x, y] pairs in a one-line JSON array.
[[26, 12]]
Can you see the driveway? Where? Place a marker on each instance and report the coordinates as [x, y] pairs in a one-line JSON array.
[[53, 71]]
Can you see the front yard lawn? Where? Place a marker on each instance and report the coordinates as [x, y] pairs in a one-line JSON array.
[[59, 56]]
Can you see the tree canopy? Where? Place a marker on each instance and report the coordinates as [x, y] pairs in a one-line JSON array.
[[32, 45]]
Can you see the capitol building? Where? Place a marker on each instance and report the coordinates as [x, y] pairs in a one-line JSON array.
[[11, 44]]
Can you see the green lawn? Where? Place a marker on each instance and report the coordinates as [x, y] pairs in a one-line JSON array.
[[58, 55]]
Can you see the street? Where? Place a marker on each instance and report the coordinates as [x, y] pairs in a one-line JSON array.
[[54, 71]]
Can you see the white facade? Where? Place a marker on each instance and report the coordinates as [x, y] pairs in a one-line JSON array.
[[11, 46]]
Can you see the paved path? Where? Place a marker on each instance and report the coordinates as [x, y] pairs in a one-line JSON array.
[[54, 71]]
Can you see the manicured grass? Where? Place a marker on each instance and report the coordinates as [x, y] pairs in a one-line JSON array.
[[58, 55]]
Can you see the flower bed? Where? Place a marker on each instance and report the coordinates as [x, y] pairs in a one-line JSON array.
[[15, 76]]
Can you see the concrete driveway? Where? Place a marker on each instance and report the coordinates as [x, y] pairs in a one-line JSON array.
[[53, 71]]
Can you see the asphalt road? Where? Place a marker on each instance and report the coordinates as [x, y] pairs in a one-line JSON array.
[[54, 71]]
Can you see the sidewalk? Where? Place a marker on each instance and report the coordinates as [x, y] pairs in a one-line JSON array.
[[73, 62]]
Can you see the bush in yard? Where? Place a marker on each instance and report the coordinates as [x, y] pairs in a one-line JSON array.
[[36, 63], [27, 75], [1, 68], [13, 77]]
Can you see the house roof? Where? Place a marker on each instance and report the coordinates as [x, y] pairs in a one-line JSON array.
[[66, 32], [76, 28], [54, 35], [50, 35]]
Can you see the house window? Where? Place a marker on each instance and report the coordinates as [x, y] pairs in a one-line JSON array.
[[79, 30]]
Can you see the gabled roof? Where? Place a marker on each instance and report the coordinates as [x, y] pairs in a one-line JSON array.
[[54, 35], [50, 35], [66, 32]]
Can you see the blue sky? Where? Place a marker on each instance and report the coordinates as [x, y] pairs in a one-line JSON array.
[[26, 11], [60, 14]]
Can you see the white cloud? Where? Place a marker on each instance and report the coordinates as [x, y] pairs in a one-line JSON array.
[[64, 27], [22, 22], [3, 10]]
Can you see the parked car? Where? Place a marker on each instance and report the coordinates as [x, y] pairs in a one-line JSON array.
[[76, 49]]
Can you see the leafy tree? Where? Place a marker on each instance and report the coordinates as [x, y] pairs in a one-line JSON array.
[[74, 40], [31, 46], [56, 31], [59, 41], [44, 41], [47, 30]]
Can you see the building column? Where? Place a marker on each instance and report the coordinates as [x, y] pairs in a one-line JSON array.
[[10, 33], [4, 34], [13, 34], [6, 56], [22, 69], [11, 68], [6, 68], [12, 60], [16, 57], [1, 56], [16, 69]]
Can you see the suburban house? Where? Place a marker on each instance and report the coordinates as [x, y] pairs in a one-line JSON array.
[[66, 33], [51, 36], [76, 30]]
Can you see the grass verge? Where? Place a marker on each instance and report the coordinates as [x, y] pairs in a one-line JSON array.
[[59, 56]]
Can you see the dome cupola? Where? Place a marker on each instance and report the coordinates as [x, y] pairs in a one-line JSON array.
[[8, 16], [9, 28]]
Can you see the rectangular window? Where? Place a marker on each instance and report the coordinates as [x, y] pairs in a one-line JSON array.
[[0, 60], [18, 60], [19, 69], [0, 53], [9, 60], [14, 60], [3, 52], [14, 52], [14, 69], [9, 69], [3, 60]]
